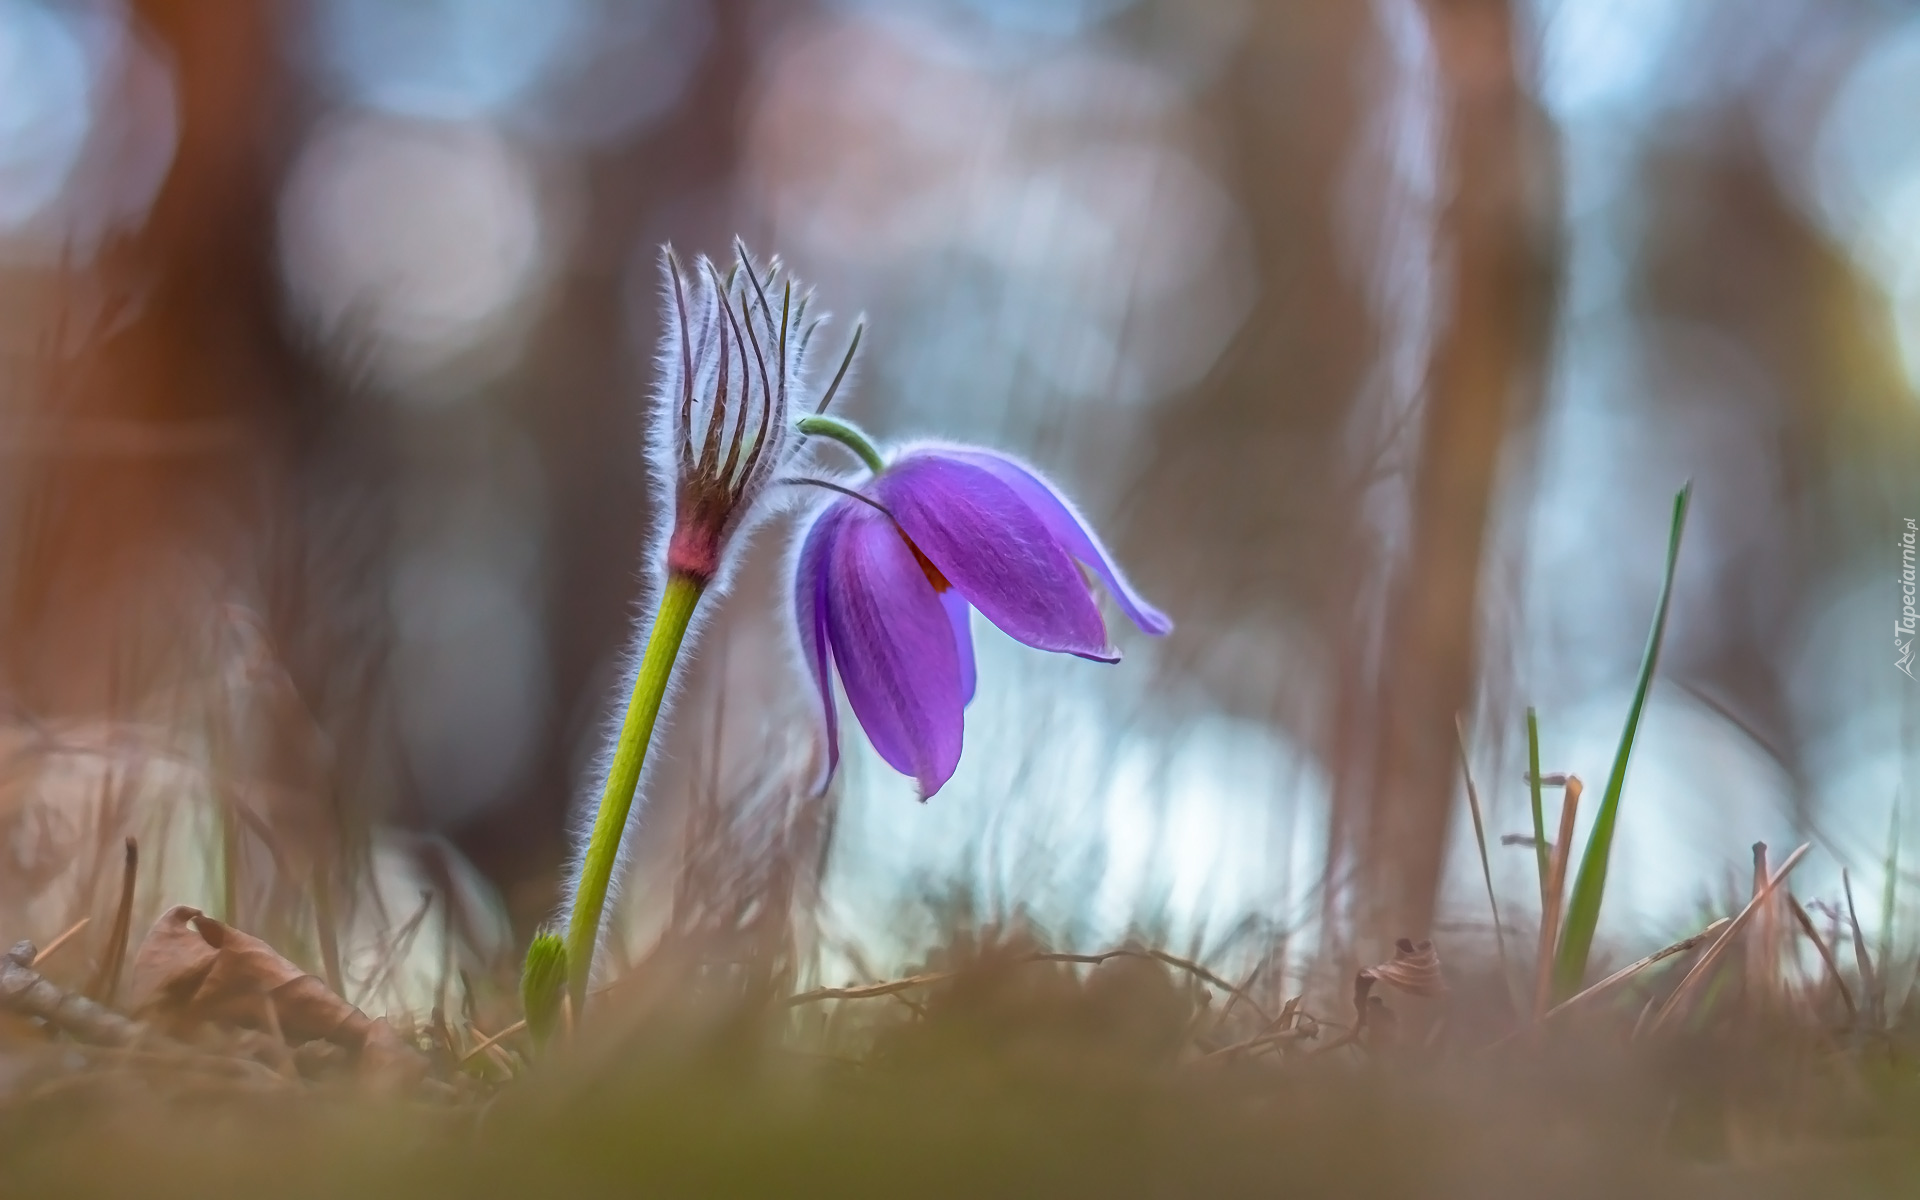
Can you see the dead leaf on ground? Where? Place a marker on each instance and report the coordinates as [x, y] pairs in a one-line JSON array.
[[192, 970], [1414, 969]]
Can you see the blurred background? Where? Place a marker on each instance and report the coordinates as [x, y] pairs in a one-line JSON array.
[[1378, 337]]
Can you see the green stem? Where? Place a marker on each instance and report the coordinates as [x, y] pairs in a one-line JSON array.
[[1534, 783], [643, 710], [847, 434]]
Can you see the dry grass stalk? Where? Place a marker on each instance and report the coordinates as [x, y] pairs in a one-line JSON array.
[[1763, 959], [394, 950], [489, 1040], [1826, 956], [1698, 973], [1556, 897], [1293, 1024], [1869, 980], [1634, 968], [106, 979]]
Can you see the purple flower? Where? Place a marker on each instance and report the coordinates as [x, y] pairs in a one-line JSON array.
[[887, 578]]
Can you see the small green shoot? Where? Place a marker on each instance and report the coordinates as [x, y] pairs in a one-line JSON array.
[[1590, 885], [543, 985], [1480, 840], [1539, 810]]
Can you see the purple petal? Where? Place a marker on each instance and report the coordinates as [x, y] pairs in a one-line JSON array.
[[1073, 531], [995, 550], [895, 646], [961, 614], [810, 617]]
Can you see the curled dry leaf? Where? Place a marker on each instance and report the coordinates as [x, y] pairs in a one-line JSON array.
[[1415, 969], [192, 970]]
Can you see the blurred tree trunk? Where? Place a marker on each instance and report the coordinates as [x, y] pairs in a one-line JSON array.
[[149, 432], [1419, 668]]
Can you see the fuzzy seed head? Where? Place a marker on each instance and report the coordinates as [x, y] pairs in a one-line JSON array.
[[735, 351]]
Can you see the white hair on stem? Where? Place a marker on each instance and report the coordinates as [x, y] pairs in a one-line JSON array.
[[733, 357]]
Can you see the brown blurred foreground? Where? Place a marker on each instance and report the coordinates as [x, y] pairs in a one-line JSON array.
[[999, 1069]]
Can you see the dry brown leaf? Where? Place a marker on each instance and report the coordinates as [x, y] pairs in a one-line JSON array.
[[192, 970], [1415, 969]]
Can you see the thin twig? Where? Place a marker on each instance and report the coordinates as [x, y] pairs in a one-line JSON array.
[[1246, 988], [26, 991], [487, 1041], [1277, 1037], [398, 945], [40, 958], [869, 991], [1284, 1028], [1363, 982]]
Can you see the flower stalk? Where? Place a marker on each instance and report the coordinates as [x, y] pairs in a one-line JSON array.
[[733, 355], [677, 602], [847, 434]]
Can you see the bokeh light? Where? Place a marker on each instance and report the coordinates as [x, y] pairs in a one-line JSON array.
[[1868, 186], [1062, 201], [88, 131], [577, 71], [425, 240]]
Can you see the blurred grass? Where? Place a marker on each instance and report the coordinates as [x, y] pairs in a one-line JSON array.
[[1015, 1077]]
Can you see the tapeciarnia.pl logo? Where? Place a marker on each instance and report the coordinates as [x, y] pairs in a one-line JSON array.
[[1903, 628]]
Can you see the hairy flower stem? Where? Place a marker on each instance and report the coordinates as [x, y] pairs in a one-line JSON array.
[[847, 434], [643, 710]]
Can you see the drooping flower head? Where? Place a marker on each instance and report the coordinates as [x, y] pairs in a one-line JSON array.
[[888, 575], [733, 355]]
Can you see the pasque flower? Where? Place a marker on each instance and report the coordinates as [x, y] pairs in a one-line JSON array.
[[888, 575], [733, 356]]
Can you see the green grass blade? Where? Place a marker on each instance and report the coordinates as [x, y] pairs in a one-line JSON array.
[[1539, 816], [1480, 840], [1589, 887]]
